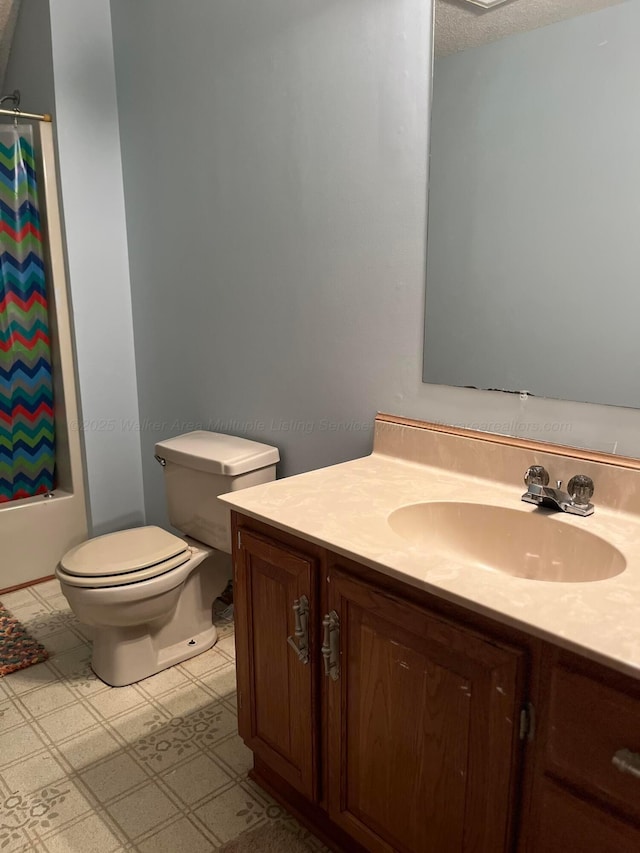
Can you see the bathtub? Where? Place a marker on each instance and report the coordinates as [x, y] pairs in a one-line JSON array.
[[35, 532]]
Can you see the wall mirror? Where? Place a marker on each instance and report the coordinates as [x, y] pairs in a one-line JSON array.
[[533, 261]]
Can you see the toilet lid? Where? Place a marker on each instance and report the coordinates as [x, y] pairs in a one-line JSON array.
[[123, 552], [125, 578]]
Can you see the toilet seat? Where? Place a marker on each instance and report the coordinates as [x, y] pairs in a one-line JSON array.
[[125, 557]]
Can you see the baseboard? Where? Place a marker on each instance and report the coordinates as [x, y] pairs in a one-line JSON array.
[[25, 585]]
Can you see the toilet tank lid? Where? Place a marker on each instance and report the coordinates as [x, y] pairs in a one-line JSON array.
[[217, 453]]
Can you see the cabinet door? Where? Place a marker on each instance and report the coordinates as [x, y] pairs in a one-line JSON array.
[[579, 750], [567, 823], [423, 728], [276, 690]]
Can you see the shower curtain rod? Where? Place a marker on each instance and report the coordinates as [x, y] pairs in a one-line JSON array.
[[19, 114]]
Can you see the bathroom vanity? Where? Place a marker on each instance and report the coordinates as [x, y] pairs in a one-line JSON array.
[[400, 693]]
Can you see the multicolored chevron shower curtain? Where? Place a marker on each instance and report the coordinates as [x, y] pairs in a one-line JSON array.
[[26, 395]]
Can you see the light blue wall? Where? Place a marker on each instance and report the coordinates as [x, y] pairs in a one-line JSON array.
[[274, 163], [92, 194], [274, 160], [30, 66]]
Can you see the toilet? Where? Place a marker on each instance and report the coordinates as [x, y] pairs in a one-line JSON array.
[[147, 593]]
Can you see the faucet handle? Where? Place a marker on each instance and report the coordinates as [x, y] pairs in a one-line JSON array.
[[580, 489], [536, 475]]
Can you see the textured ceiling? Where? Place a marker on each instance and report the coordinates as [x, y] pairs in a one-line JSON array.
[[460, 25], [8, 15]]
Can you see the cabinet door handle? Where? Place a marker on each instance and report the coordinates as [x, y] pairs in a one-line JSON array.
[[627, 762], [301, 614], [331, 645]]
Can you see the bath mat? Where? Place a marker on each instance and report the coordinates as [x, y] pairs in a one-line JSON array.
[[17, 649], [267, 839]]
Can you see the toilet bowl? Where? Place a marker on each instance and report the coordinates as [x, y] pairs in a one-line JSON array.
[[147, 593]]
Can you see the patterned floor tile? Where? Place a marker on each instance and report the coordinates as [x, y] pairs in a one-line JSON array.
[[114, 777], [85, 750], [72, 662], [232, 812], [235, 755], [47, 699], [197, 780], [44, 622], [205, 662], [142, 810], [21, 598], [33, 774], [169, 680], [157, 767], [222, 681], [64, 640], [190, 698], [41, 813], [47, 589], [19, 743], [180, 837], [112, 703], [29, 679], [10, 715], [227, 646], [67, 722], [89, 835]]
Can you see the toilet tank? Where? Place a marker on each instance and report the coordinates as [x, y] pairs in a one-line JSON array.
[[201, 465]]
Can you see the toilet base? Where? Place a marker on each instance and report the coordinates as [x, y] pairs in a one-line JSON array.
[[122, 656]]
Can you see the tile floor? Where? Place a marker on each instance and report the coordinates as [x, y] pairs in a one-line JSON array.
[[156, 767]]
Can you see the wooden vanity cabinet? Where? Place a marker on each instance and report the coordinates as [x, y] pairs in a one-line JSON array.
[[583, 799], [402, 730], [422, 727], [277, 697]]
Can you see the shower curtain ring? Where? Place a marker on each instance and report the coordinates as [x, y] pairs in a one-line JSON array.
[[16, 106], [15, 98]]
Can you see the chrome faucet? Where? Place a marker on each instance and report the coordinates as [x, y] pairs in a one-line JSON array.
[[576, 500]]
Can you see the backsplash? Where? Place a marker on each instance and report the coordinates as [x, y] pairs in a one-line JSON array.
[[617, 480]]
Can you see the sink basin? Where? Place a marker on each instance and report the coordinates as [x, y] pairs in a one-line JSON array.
[[532, 545]]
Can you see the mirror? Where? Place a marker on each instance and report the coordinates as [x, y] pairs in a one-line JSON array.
[[533, 259]]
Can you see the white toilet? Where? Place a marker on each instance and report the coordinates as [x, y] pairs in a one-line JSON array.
[[147, 593]]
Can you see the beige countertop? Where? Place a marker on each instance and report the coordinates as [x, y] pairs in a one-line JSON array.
[[345, 509]]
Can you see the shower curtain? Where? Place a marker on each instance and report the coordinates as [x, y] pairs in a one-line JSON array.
[[26, 394]]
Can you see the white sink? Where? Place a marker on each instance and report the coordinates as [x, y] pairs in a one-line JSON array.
[[525, 544]]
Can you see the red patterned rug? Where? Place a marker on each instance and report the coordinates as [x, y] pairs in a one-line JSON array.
[[17, 649]]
